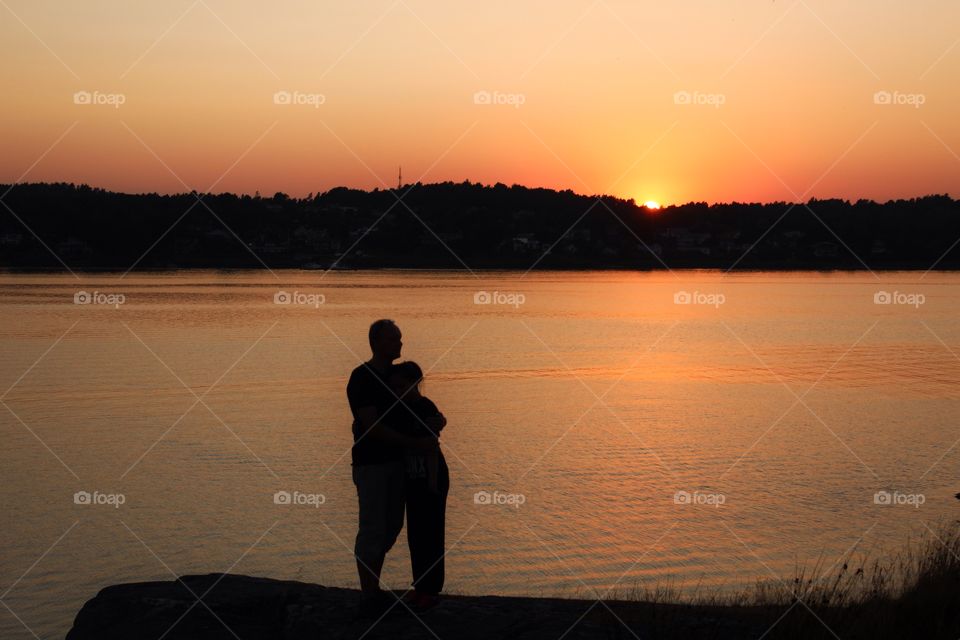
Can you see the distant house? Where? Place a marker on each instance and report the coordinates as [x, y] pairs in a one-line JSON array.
[[826, 249], [687, 241], [732, 234], [219, 235], [526, 243], [272, 248], [451, 236], [74, 248], [653, 248], [315, 239]]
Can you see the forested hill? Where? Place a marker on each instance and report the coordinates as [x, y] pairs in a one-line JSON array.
[[450, 225]]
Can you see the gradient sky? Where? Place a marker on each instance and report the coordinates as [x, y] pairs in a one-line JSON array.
[[597, 83]]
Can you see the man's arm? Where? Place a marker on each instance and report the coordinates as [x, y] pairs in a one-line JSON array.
[[379, 432]]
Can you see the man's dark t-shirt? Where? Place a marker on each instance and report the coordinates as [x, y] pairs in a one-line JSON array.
[[367, 388]]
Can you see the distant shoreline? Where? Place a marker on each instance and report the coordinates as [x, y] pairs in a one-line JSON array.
[[466, 226], [615, 269]]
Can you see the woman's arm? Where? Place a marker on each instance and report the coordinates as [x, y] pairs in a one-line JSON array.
[[437, 422]]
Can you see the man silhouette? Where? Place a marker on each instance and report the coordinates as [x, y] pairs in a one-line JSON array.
[[378, 462]]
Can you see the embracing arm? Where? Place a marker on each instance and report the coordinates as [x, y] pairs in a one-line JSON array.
[[375, 429], [437, 422]]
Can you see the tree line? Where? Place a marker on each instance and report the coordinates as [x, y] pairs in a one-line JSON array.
[[453, 225]]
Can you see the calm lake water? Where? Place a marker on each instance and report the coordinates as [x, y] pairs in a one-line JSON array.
[[624, 437]]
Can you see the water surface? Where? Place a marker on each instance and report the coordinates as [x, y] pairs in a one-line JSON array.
[[630, 439]]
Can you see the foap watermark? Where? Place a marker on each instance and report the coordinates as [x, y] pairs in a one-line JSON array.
[[299, 298], [496, 98], [899, 298], [297, 498], [97, 498], [699, 297], [698, 98], [99, 297], [698, 498], [890, 498], [897, 98], [496, 497], [298, 98], [511, 298], [98, 98]]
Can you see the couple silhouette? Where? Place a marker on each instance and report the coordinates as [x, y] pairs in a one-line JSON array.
[[397, 467]]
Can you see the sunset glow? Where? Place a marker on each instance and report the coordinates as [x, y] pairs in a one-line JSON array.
[[711, 101], [495, 311]]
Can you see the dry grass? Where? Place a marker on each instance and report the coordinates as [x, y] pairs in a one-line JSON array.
[[915, 594]]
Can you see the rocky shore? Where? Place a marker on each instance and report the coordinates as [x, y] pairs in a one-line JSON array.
[[252, 608]]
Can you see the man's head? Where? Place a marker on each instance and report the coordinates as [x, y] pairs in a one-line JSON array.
[[385, 340]]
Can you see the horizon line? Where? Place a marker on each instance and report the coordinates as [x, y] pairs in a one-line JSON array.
[[9, 186]]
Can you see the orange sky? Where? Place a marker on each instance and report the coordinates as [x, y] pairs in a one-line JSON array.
[[716, 101]]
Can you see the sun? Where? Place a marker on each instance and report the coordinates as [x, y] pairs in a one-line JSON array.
[[651, 204]]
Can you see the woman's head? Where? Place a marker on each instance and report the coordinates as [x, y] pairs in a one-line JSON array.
[[406, 377]]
